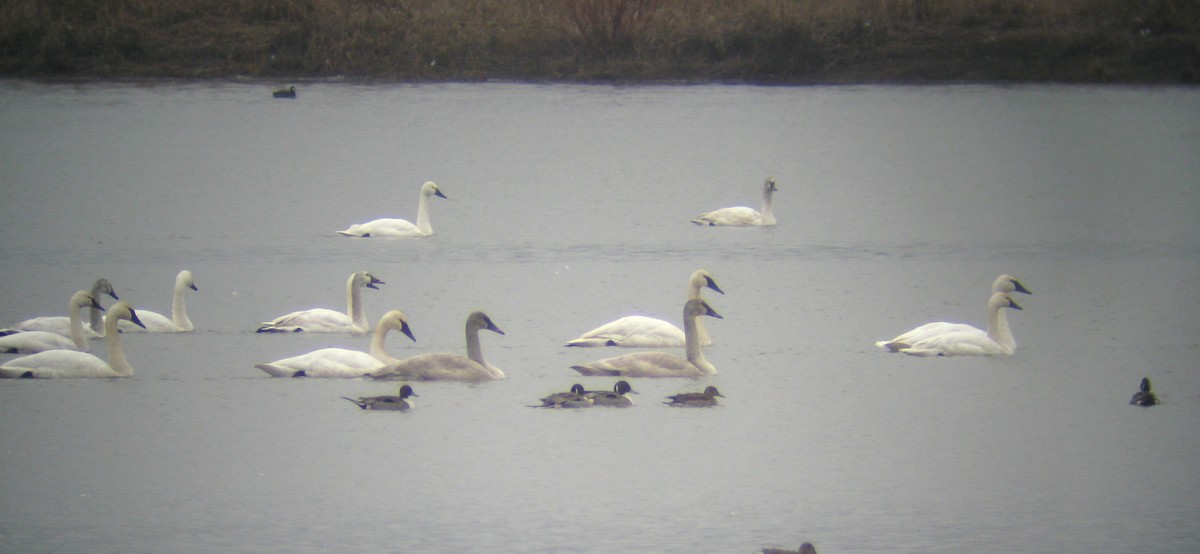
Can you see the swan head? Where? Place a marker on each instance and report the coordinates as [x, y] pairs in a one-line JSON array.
[[122, 310], [364, 279], [480, 320], [701, 278], [85, 299], [622, 387], [431, 189], [769, 185], [406, 391], [102, 286], [696, 307], [1003, 300], [711, 391], [185, 279], [396, 319], [1008, 283]]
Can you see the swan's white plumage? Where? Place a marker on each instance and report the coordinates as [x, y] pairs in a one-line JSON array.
[[971, 341], [62, 364], [660, 364], [324, 320], [62, 324], [27, 342], [638, 331], [342, 362], [742, 216], [178, 322], [448, 366], [1002, 284], [400, 228]]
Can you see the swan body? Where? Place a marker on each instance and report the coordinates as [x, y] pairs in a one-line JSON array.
[[28, 342], [1144, 396], [400, 228], [1002, 284], [448, 366], [324, 320], [62, 364], [62, 324], [637, 331], [742, 216], [343, 362], [660, 364], [617, 398], [158, 323], [696, 399], [576, 398], [970, 341], [401, 403]]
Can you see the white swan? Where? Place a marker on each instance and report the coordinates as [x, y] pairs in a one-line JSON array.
[[660, 364], [27, 342], [324, 320], [342, 362], [400, 227], [742, 216], [970, 341], [448, 366], [1004, 283], [62, 324], [62, 364], [178, 322], [638, 331]]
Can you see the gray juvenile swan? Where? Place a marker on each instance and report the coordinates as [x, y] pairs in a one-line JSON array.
[[342, 362], [448, 366], [400, 228], [742, 216], [27, 342], [638, 331], [660, 364], [62, 364], [324, 320], [178, 322], [401, 403]]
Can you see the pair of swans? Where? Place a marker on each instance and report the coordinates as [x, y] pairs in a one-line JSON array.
[[345, 363], [61, 325], [661, 364], [742, 216], [958, 339], [27, 342], [62, 364], [638, 331], [400, 228], [324, 320]]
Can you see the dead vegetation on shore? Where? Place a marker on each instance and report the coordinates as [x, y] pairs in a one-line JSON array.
[[785, 41]]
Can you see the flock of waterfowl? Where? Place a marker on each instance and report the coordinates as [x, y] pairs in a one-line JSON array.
[[58, 345]]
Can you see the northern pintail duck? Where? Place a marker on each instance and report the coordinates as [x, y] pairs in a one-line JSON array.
[[1144, 397], [806, 548], [289, 92], [576, 398], [696, 399], [401, 403], [617, 397]]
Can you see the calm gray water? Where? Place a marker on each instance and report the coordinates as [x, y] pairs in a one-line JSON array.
[[568, 207]]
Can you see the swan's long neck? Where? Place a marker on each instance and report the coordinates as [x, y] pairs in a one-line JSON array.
[[378, 351], [475, 350], [354, 308], [695, 354], [998, 327], [701, 332], [96, 318], [179, 314], [768, 218], [423, 215], [116, 352], [77, 327]]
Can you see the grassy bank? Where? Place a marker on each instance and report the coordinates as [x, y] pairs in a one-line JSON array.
[[790, 41]]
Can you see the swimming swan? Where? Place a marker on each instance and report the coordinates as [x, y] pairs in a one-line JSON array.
[[62, 364], [28, 342], [178, 322], [324, 320], [638, 331], [447, 366], [1003, 283], [742, 216], [970, 341], [400, 227], [576, 398], [696, 399], [402, 403], [62, 324], [342, 362], [659, 364]]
